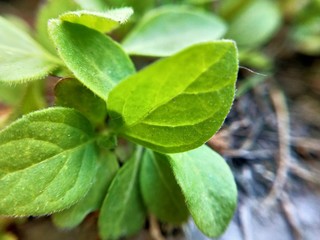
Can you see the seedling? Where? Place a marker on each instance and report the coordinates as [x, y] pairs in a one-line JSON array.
[[63, 160]]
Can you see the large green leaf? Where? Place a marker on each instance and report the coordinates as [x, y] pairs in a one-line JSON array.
[[106, 169], [159, 188], [101, 21], [166, 31], [95, 59], [48, 10], [72, 93], [47, 162], [254, 24], [177, 103], [21, 58], [208, 186], [123, 212]]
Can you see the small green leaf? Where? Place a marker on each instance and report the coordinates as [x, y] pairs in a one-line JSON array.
[[95, 59], [208, 186], [123, 212], [254, 24], [48, 10], [22, 59], [165, 31], [159, 188], [47, 162], [106, 168], [101, 21], [71, 93], [177, 103]]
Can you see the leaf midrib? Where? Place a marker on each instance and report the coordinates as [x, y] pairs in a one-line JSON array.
[[181, 92]]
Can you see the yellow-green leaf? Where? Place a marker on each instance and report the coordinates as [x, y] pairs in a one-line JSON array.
[[101, 21], [177, 103], [47, 162]]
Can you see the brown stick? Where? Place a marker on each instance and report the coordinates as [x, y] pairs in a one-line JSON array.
[[284, 157], [289, 215]]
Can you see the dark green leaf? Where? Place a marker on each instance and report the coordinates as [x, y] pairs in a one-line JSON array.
[[22, 59], [106, 169], [165, 31], [123, 212], [159, 188], [101, 21], [177, 103], [95, 59], [47, 162], [208, 186], [71, 93]]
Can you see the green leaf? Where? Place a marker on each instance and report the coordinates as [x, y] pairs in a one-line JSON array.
[[49, 10], [166, 31], [22, 59], [254, 24], [101, 21], [177, 103], [123, 212], [208, 186], [106, 168], [95, 59], [47, 162], [160, 191], [71, 93]]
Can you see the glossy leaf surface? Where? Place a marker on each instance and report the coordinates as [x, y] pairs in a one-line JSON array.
[[208, 186], [160, 190], [95, 59], [166, 31], [177, 103], [47, 162]]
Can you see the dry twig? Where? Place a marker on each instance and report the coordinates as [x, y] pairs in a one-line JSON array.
[[287, 208], [284, 157]]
